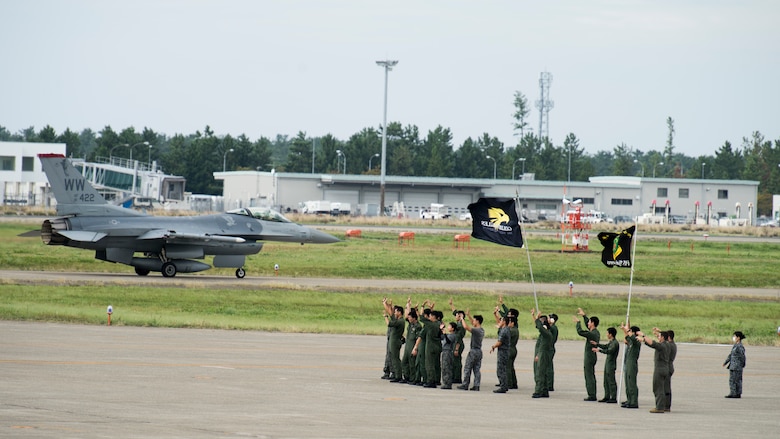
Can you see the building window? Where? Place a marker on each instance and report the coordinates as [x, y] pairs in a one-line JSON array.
[[662, 192], [682, 193], [7, 163], [723, 194], [543, 206], [622, 202], [28, 164]]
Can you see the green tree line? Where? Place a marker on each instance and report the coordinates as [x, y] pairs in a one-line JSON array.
[[409, 153]]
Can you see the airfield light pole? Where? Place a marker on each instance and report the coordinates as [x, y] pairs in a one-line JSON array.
[[521, 159], [388, 65], [372, 158], [642, 165], [494, 165], [339, 154], [224, 158], [111, 151], [312, 156], [133, 147], [149, 159], [702, 169], [657, 164], [257, 187]]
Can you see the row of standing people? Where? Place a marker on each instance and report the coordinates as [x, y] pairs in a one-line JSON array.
[[433, 355], [434, 350], [663, 362], [664, 355]]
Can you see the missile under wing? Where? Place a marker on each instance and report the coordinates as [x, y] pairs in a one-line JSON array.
[[166, 244]]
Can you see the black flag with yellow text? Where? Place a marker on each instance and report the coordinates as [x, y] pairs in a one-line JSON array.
[[495, 220], [617, 247]]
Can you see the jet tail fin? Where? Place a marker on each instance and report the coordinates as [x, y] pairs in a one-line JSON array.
[[67, 183], [74, 194]]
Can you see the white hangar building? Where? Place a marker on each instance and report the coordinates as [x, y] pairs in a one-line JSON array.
[[21, 176], [25, 184], [614, 196]]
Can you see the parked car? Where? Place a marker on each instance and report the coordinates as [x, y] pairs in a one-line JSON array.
[[623, 219], [437, 211]]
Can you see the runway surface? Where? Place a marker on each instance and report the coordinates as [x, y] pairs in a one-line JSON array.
[[379, 285], [73, 381]]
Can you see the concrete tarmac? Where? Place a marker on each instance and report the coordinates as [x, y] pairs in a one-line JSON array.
[[74, 381]]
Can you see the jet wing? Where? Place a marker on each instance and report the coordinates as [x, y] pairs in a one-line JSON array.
[[81, 235], [172, 235]]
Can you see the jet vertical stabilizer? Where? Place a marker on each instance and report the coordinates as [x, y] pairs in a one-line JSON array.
[[74, 194]]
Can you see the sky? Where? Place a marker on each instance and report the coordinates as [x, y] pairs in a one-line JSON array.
[[619, 68]]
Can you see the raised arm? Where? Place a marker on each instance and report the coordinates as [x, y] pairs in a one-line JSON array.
[[466, 321], [648, 340], [388, 306]]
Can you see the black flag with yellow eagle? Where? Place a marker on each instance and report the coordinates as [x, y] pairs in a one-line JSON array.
[[617, 248], [495, 220]]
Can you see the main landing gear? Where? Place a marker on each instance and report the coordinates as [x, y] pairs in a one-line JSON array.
[[168, 269]]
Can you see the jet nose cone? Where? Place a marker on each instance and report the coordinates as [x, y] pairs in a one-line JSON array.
[[318, 237]]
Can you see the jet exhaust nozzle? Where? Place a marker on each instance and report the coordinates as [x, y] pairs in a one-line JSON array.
[[49, 229]]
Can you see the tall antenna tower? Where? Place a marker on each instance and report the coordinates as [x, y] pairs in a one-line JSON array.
[[544, 104]]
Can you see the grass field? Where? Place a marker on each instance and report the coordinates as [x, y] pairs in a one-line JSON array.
[[378, 255], [432, 256], [292, 310]]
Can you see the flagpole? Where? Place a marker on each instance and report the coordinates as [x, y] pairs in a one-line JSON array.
[[496, 221], [633, 261], [521, 222], [628, 307]]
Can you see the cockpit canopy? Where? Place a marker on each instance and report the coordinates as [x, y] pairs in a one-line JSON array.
[[261, 213]]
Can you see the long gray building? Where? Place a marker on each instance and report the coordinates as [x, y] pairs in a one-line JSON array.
[[648, 198], [23, 183]]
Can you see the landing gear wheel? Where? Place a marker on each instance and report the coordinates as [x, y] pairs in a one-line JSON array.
[[240, 273], [168, 269], [141, 271]]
